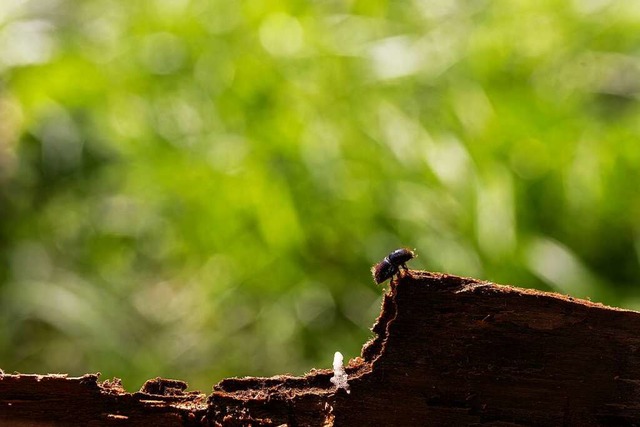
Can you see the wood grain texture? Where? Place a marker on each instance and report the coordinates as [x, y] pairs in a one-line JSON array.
[[448, 351], [453, 351], [59, 400], [463, 352]]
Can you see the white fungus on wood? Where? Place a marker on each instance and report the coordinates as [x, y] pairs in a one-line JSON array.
[[339, 378]]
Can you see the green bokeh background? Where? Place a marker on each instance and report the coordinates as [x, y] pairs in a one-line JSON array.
[[197, 189]]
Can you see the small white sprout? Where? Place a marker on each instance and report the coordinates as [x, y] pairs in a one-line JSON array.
[[339, 378]]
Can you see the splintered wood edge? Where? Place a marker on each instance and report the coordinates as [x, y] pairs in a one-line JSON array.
[[155, 392], [467, 284]]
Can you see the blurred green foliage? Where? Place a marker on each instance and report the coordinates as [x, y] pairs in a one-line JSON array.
[[197, 189]]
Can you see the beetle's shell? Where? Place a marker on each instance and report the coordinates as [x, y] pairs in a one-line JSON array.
[[383, 270], [400, 256]]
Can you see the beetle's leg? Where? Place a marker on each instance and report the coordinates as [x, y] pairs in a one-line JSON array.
[[404, 271], [394, 275]]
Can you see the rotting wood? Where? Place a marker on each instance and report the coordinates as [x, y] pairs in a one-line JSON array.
[[43, 400], [448, 351]]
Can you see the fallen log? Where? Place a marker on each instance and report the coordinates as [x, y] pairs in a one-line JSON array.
[[448, 351]]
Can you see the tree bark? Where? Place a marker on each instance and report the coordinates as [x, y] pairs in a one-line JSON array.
[[449, 351]]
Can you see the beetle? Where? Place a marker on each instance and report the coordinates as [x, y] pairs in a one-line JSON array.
[[391, 264]]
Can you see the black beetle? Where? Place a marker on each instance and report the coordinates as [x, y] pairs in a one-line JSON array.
[[391, 264]]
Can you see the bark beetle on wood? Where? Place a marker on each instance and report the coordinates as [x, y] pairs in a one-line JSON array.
[[449, 351]]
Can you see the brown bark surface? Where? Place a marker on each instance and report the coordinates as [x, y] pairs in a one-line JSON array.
[[449, 351]]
